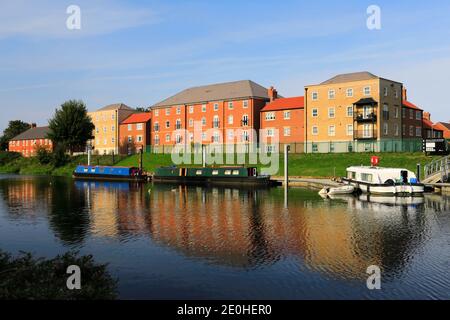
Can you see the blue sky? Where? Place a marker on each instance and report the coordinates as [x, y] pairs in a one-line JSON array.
[[140, 52]]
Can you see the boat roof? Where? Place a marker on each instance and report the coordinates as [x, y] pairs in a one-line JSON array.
[[95, 166], [378, 169]]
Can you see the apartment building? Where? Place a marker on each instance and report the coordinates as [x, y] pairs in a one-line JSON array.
[[29, 141], [355, 112], [223, 113], [134, 133], [445, 127], [431, 130], [284, 116], [106, 132]]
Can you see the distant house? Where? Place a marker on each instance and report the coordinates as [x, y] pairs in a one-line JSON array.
[[29, 141], [445, 127], [286, 115], [134, 133], [430, 130]]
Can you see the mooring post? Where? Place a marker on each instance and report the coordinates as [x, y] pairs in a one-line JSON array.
[[89, 154], [418, 172], [286, 168], [204, 155], [141, 153], [113, 162]]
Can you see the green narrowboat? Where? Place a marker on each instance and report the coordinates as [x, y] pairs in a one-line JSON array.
[[214, 176]]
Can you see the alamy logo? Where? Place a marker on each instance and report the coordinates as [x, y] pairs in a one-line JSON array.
[[374, 19], [374, 280], [74, 281], [73, 22]]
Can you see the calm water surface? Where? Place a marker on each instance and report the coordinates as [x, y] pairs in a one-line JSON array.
[[197, 243]]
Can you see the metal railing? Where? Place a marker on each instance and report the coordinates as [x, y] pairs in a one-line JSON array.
[[436, 168]]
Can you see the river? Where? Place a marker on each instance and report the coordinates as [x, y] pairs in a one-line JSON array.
[[173, 242]]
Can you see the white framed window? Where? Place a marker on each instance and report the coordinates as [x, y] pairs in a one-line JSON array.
[[350, 111], [105, 142], [331, 131], [167, 111], [314, 96], [367, 91], [287, 131], [245, 121], [418, 115], [270, 132], [113, 128], [315, 130], [113, 116], [178, 110], [411, 114], [245, 104], [230, 119], [396, 93], [167, 124], [386, 91], [203, 136], [156, 140], [156, 113], [178, 138], [139, 138], [178, 124], [331, 112], [191, 122], [315, 112], [130, 127], [287, 115], [167, 137], [216, 122], [349, 130], [130, 139], [386, 129], [105, 129], [216, 107], [397, 130], [203, 121], [270, 116], [331, 94], [191, 109], [396, 112], [349, 92], [204, 108], [139, 126], [230, 105], [230, 134], [156, 127], [418, 131]]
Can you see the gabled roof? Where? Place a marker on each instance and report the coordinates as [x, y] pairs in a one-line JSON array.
[[116, 106], [444, 124], [138, 118], [33, 134], [410, 105], [427, 124], [285, 104], [349, 77], [216, 92]]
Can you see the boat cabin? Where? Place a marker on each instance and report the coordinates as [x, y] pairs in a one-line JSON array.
[[377, 175]]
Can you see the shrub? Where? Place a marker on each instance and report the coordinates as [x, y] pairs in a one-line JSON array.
[[43, 155], [8, 157], [60, 158], [26, 277]]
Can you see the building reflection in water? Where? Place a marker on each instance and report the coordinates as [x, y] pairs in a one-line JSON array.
[[241, 228]]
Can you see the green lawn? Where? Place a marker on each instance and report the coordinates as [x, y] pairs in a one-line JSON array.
[[309, 165]]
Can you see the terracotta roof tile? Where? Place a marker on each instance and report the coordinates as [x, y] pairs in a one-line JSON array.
[[138, 118], [285, 103]]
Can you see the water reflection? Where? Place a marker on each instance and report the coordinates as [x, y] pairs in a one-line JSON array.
[[240, 228]]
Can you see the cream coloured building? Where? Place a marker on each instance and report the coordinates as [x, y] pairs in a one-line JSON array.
[[106, 132], [357, 112]]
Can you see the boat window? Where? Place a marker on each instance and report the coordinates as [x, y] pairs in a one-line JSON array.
[[366, 177], [199, 172], [215, 172], [235, 172], [227, 172], [351, 175], [85, 170]]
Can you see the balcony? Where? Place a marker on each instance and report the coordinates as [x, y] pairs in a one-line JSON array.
[[368, 117], [244, 123], [366, 134], [216, 124]]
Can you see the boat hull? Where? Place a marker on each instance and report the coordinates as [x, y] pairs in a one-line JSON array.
[[105, 177], [384, 189], [244, 181]]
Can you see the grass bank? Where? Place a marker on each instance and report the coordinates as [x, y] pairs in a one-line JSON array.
[[308, 165]]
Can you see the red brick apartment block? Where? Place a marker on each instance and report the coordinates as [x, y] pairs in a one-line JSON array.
[[134, 133], [431, 130], [412, 121], [287, 116], [27, 142], [216, 108], [445, 127]]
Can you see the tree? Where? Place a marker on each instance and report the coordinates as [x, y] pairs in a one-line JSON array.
[[71, 126], [15, 128], [141, 109]]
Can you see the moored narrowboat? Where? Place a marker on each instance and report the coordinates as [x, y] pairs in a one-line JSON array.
[[109, 173], [218, 176]]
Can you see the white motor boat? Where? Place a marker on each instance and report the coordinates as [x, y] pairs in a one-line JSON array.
[[384, 181]]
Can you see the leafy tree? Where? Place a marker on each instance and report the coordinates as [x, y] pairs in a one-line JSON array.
[[71, 126], [14, 128], [43, 155], [141, 109]]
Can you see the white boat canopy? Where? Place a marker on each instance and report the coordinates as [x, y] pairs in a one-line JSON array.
[[378, 175]]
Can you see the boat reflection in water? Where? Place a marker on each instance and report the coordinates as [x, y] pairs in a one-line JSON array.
[[239, 242]]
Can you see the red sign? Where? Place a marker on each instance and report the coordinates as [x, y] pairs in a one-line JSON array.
[[374, 161]]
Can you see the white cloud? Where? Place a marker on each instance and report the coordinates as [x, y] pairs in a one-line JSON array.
[[48, 19]]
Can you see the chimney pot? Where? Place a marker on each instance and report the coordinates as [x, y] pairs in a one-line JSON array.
[[405, 94], [272, 93]]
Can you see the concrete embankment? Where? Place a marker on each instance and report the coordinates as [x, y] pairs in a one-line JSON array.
[[314, 183]]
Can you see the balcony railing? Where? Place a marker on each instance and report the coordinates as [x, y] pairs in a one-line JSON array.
[[244, 123], [216, 124], [366, 134], [370, 117]]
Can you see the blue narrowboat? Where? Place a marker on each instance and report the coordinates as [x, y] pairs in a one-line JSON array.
[[109, 173]]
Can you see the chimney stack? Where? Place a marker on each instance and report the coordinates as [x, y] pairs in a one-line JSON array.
[[405, 94], [273, 94], [427, 116]]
